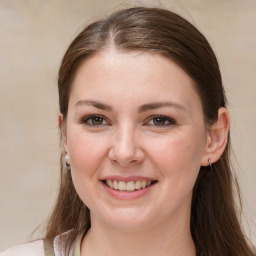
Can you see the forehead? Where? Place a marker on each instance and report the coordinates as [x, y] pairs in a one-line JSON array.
[[113, 75]]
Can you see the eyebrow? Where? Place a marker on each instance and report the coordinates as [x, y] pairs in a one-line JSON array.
[[95, 104], [156, 105], [142, 108]]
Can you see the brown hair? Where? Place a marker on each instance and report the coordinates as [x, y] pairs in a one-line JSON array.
[[215, 226]]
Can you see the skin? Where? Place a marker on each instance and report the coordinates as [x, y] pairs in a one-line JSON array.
[[128, 140]]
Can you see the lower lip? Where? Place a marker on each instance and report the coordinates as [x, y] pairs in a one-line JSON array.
[[127, 195]]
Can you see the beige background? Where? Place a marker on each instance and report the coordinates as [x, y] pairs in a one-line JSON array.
[[33, 37]]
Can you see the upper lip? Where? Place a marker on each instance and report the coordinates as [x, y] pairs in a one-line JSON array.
[[127, 178]]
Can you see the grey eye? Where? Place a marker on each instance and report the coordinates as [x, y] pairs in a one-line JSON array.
[[96, 120], [161, 121]]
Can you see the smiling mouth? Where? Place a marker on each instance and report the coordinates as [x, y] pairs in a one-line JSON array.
[[129, 186]]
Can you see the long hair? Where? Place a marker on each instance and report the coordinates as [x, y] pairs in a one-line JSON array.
[[215, 225]]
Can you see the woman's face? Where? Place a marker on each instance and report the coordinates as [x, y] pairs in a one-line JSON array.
[[135, 120]]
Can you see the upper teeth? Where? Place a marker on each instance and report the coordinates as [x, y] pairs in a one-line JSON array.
[[128, 186]]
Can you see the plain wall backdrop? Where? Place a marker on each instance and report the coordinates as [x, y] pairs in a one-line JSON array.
[[33, 37]]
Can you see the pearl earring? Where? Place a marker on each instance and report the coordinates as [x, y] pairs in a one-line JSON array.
[[67, 161], [210, 162]]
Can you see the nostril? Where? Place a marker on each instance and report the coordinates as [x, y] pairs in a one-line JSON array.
[[126, 156]]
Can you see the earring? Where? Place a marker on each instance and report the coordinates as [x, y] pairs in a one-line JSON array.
[[210, 162], [67, 161]]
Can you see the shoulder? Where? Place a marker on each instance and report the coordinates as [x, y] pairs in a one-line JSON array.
[[35, 248], [43, 247]]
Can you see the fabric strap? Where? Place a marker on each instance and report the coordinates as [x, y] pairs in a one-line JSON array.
[[48, 248]]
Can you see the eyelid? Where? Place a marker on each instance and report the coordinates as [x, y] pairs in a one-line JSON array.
[[85, 119], [171, 120]]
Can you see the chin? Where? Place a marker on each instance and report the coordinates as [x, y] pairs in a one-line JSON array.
[[128, 220]]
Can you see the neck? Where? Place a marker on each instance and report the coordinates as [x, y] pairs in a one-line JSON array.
[[174, 239]]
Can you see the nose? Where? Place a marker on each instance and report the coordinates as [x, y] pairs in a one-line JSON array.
[[125, 149]]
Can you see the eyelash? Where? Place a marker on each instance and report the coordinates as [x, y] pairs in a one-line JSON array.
[[162, 118], [89, 119]]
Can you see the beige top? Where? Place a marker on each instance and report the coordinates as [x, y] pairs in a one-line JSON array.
[[77, 248], [41, 248]]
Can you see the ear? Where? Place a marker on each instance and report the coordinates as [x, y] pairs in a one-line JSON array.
[[62, 131], [217, 138]]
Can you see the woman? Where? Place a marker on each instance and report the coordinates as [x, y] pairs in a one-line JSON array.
[[145, 167]]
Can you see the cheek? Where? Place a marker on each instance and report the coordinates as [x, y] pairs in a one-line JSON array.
[[175, 151], [86, 152], [86, 156], [178, 159]]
